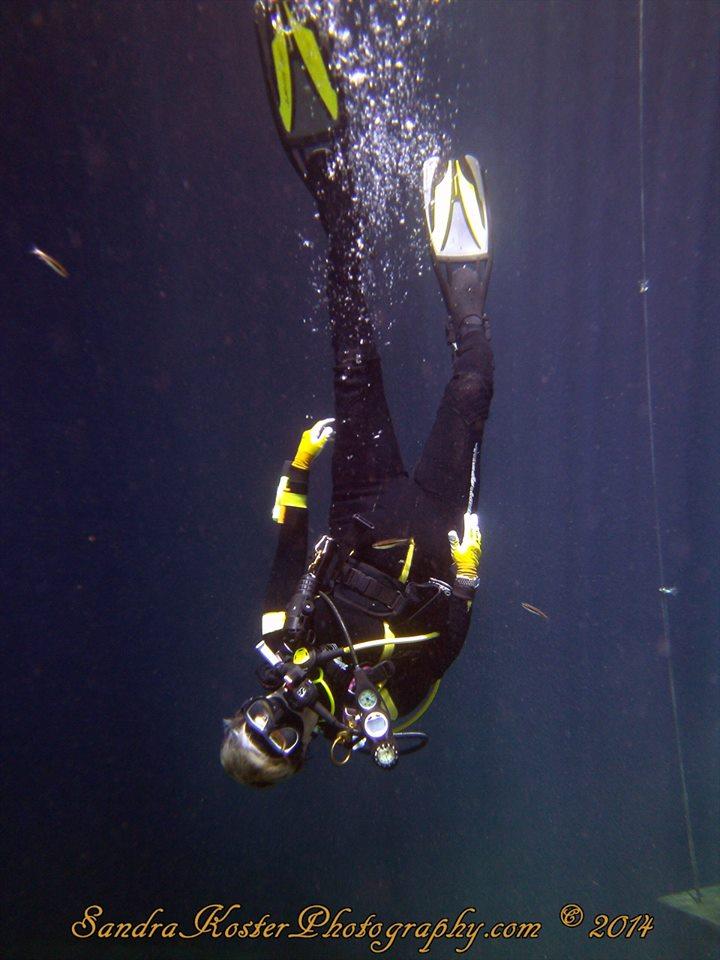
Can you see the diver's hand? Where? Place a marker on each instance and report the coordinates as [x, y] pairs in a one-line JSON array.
[[466, 553], [312, 442]]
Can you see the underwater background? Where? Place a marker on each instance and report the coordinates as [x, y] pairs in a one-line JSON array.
[[149, 400]]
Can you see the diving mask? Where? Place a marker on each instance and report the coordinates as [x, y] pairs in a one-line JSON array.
[[274, 723]]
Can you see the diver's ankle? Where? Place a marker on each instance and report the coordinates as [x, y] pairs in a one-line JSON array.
[[329, 181]]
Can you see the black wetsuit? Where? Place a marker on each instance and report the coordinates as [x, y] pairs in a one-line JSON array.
[[368, 478]]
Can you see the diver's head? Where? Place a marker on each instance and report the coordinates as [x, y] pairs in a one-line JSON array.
[[265, 742]]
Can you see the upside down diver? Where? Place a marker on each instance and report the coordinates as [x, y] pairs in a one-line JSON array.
[[356, 638]]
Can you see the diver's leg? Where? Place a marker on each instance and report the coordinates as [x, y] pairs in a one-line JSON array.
[[459, 232], [446, 464], [307, 101], [366, 453]]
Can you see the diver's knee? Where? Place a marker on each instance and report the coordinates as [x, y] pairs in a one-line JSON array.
[[472, 391]]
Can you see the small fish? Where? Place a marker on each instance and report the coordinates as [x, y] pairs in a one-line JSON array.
[[670, 591], [50, 261], [535, 610]]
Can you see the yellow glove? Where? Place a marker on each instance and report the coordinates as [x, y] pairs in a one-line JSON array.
[[312, 442], [466, 554]]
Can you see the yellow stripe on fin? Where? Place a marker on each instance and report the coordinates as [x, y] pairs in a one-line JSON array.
[[312, 57], [283, 76], [442, 210], [473, 208]]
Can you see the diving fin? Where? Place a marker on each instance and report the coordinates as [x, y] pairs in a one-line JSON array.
[[458, 224], [304, 96], [456, 210]]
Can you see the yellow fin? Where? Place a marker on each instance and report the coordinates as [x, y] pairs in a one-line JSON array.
[[312, 57]]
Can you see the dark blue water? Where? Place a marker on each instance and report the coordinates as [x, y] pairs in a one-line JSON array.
[[150, 399]]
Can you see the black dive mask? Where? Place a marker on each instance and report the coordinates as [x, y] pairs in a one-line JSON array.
[[272, 721]]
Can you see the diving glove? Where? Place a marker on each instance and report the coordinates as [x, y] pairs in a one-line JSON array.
[[466, 555], [312, 442]]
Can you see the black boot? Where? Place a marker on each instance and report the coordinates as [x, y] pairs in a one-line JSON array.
[[464, 287]]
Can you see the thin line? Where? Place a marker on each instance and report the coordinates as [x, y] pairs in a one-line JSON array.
[[664, 609], [472, 496]]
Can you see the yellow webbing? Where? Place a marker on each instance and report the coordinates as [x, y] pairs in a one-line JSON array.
[[289, 499], [390, 544], [388, 649], [286, 498], [389, 703], [387, 652], [278, 513], [321, 681], [416, 714], [408, 562]]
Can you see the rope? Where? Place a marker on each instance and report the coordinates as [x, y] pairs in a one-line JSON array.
[[472, 495], [664, 610]]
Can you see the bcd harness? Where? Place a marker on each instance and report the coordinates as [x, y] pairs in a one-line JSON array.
[[297, 670]]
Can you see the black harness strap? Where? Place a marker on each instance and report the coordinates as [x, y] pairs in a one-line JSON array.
[[370, 586]]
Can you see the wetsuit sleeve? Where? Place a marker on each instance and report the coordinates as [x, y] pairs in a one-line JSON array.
[[291, 552]]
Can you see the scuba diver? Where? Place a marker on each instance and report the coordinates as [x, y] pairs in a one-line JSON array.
[[356, 639]]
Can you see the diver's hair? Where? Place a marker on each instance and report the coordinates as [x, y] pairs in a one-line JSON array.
[[244, 758]]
